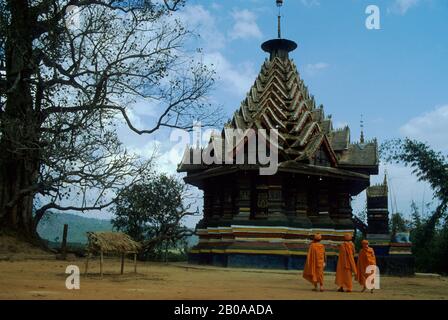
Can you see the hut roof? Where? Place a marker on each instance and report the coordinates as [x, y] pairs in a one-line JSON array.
[[112, 242]]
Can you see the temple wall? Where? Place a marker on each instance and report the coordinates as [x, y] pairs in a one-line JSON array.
[[304, 202], [248, 245], [261, 222], [265, 216]]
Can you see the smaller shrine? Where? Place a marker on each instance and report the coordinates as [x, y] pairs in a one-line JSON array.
[[393, 251]]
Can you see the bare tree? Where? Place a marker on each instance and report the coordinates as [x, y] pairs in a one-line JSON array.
[[72, 68]]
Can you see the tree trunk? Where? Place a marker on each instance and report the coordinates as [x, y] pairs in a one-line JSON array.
[[19, 139], [17, 211]]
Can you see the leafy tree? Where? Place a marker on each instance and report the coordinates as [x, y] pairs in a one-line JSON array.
[[441, 250], [398, 223], [429, 241], [429, 166], [152, 211], [415, 214], [362, 215], [63, 86]]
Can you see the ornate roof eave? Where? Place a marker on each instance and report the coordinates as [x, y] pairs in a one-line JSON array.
[[197, 178], [309, 154], [371, 169]]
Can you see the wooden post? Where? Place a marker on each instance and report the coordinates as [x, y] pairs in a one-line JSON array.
[[135, 263], [101, 263], [122, 263], [87, 262], [166, 251], [64, 242]]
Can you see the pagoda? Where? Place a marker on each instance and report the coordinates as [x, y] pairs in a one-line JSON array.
[[394, 256], [267, 221]]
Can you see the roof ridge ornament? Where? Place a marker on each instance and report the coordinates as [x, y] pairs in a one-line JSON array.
[[361, 140]]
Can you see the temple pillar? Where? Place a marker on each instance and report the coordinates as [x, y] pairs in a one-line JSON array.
[[290, 201], [311, 199], [324, 208], [208, 203], [262, 202], [217, 205], [228, 203], [242, 202], [342, 215], [276, 203], [301, 209], [208, 209], [321, 218]]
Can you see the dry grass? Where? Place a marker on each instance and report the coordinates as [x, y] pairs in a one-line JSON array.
[[111, 242]]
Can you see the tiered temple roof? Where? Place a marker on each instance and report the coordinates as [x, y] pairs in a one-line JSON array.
[[279, 99]]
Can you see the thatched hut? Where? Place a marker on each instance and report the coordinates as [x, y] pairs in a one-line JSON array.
[[111, 242]]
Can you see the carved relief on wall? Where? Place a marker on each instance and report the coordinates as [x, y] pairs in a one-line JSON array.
[[244, 195], [301, 199], [275, 194], [262, 200]]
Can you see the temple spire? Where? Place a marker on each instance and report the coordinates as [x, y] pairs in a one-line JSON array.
[[361, 140], [279, 17], [279, 47]]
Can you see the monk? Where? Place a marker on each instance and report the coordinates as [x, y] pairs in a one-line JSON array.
[[346, 265], [315, 263], [366, 258]]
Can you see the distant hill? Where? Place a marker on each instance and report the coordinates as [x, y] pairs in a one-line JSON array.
[[51, 227]]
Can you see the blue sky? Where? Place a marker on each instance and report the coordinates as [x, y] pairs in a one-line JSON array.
[[396, 76], [390, 75]]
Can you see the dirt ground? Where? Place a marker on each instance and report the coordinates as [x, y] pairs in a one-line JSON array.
[[44, 278]]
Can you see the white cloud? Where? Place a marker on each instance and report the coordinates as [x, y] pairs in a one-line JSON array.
[[310, 3], [168, 154], [236, 79], [233, 78], [146, 107], [201, 21], [402, 6], [245, 26], [430, 127], [216, 6], [313, 69]]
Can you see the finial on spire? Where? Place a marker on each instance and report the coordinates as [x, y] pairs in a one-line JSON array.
[[361, 140], [279, 47], [279, 5]]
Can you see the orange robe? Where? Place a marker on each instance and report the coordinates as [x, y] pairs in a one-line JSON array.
[[314, 265], [346, 265], [366, 258]]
